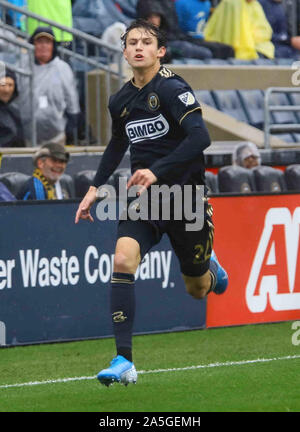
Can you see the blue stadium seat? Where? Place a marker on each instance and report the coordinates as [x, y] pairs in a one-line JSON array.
[[292, 177], [294, 99], [216, 61], [205, 96], [211, 181], [269, 179], [282, 117], [14, 181], [235, 179], [240, 62], [67, 179], [296, 137], [264, 62], [287, 137], [229, 102], [194, 61], [121, 172], [284, 61], [253, 104], [83, 181]]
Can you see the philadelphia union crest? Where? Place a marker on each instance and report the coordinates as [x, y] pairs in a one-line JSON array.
[[153, 101]]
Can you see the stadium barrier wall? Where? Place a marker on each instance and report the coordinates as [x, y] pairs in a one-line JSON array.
[[257, 241], [54, 275], [54, 278]]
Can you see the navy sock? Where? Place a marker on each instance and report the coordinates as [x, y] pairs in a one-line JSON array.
[[213, 269], [123, 311]]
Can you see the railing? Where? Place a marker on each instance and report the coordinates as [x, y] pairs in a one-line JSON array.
[[269, 126], [102, 51]]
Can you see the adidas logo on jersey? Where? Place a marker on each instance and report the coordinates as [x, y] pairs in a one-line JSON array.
[[150, 128]]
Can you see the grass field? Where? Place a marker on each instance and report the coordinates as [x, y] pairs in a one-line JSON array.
[[248, 368]]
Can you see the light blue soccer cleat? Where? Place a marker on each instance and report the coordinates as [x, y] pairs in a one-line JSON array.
[[222, 276], [120, 370]]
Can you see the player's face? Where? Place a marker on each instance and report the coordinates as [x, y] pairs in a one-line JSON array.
[[142, 50], [51, 168], [7, 88]]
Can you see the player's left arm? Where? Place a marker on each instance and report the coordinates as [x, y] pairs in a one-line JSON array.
[[178, 100], [195, 142]]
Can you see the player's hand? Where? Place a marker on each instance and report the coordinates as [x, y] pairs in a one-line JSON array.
[[83, 211], [142, 177]]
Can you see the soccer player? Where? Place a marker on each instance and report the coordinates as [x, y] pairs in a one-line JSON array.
[[157, 115]]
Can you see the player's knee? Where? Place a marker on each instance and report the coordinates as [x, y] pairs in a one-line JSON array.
[[124, 263]]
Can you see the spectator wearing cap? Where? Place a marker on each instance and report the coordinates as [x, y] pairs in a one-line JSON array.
[[11, 131], [246, 155], [56, 103], [46, 183]]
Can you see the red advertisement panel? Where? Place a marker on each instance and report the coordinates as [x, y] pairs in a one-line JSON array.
[[257, 242]]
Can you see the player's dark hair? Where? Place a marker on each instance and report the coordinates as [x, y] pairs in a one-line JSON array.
[[147, 26]]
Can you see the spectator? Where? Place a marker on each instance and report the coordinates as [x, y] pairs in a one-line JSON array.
[[59, 11], [15, 17], [192, 16], [163, 14], [285, 46], [243, 25], [50, 162], [246, 155], [55, 94], [11, 131]]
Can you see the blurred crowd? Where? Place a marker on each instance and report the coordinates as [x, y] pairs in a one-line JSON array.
[[195, 29]]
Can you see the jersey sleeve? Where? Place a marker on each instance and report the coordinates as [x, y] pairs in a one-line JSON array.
[[178, 98]]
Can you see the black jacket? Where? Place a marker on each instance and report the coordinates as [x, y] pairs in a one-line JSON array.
[[11, 131]]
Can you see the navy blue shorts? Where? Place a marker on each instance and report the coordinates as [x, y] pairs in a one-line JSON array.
[[193, 248]]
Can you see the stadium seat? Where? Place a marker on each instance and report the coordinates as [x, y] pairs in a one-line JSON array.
[[282, 117], [253, 104], [83, 181], [14, 181], [294, 99], [284, 61], [122, 172], [296, 137], [205, 97], [228, 102], [292, 177], [235, 179], [264, 62], [67, 179], [211, 181], [287, 137], [268, 179], [240, 62], [216, 61], [194, 61]]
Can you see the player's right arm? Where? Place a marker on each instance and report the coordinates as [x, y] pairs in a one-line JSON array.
[[111, 158]]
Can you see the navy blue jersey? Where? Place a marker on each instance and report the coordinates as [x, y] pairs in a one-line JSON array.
[[162, 125]]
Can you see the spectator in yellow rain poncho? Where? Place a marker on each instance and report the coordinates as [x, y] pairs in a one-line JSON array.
[[243, 25]]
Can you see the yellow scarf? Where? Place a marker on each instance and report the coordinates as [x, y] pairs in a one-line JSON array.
[[50, 189]]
